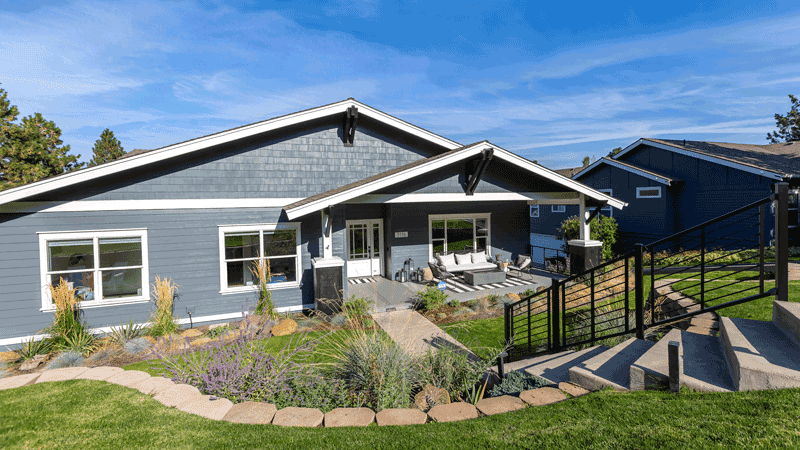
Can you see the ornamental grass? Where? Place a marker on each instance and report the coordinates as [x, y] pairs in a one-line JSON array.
[[163, 320]]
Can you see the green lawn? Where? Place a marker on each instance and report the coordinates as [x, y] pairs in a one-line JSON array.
[[86, 415], [478, 334], [757, 309], [272, 345]]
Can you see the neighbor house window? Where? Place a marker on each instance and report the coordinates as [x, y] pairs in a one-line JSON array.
[[459, 233], [534, 210], [607, 210], [242, 248], [104, 267], [558, 208], [648, 192]]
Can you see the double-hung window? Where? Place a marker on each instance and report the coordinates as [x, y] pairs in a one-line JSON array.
[[534, 210], [558, 208], [607, 210], [104, 267], [243, 247]]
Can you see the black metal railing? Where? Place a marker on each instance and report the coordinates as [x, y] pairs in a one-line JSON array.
[[717, 264], [555, 260]]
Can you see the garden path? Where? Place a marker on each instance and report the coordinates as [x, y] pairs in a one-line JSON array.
[[414, 333]]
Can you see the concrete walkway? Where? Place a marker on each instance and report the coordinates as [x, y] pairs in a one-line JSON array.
[[414, 333]]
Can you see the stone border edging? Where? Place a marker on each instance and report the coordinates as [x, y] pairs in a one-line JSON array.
[[189, 399]]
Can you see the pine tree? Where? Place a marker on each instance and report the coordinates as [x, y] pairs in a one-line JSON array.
[[32, 151], [788, 125], [8, 114], [586, 161], [106, 149]]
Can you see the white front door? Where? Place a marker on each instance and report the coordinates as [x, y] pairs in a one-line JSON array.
[[364, 248]]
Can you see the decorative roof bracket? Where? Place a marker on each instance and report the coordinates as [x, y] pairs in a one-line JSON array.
[[596, 211], [350, 123], [472, 183]]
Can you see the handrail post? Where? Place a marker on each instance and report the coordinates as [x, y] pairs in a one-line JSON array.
[[703, 268], [639, 288], [627, 300], [556, 318], [507, 322], [782, 241], [761, 249], [592, 304]]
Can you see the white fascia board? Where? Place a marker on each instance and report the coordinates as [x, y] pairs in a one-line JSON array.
[[147, 205], [723, 162], [558, 178], [619, 165], [386, 181], [543, 198], [201, 143]]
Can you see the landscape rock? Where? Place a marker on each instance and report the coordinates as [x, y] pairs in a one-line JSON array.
[[18, 381], [499, 405], [401, 416], [9, 357], [572, 389], [211, 408], [431, 396], [298, 417], [129, 378], [453, 412], [285, 327], [33, 363], [154, 385], [178, 395], [99, 373], [542, 396], [427, 274], [514, 297], [191, 333], [67, 373], [251, 412], [349, 417]]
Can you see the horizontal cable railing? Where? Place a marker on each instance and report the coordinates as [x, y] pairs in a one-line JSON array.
[[553, 260]]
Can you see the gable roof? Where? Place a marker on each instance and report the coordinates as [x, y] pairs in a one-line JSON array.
[[663, 179], [139, 158], [426, 165], [569, 172], [776, 161]]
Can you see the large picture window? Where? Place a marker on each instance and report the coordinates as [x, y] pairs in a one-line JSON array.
[[104, 267], [243, 247], [458, 233]]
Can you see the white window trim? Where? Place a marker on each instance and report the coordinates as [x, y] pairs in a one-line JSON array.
[[638, 190], [558, 208], [260, 228], [95, 236], [487, 216], [534, 208], [608, 211]]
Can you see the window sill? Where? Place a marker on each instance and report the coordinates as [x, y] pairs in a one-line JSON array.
[[254, 289], [105, 303]]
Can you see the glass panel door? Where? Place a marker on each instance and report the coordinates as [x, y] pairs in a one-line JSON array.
[[364, 242]]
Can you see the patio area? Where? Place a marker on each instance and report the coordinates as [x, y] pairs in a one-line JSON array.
[[393, 295]]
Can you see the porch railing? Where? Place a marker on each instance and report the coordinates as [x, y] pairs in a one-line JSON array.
[[550, 259], [717, 264]]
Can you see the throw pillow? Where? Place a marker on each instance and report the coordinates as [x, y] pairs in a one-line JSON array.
[[477, 258], [521, 260], [449, 260], [463, 259]]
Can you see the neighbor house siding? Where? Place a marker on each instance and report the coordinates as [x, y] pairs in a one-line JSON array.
[[183, 245]]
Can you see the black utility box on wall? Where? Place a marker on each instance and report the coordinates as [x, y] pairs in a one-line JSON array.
[[328, 284]]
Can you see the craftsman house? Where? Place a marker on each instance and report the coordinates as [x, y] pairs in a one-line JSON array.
[[671, 185], [342, 185]]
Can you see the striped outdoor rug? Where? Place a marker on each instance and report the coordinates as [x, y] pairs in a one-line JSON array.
[[361, 280], [458, 285]]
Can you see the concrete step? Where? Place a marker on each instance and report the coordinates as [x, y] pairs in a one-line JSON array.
[[554, 368], [760, 355], [786, 315], [610, 368], [702, 362]]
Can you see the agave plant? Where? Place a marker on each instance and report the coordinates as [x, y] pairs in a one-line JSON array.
[[126, 332], [32, 347]]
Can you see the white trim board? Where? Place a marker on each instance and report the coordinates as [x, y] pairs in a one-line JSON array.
[[624, 167], [201, 143], [540, 197], [460, 155], [181, 321], [145, 205], [701, 156]]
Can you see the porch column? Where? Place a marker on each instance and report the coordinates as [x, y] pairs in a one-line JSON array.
[[584, 253]]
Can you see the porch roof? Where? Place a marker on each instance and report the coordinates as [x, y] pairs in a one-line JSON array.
[[426, 165]]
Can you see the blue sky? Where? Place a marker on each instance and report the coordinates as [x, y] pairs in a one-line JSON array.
[[551, 82]]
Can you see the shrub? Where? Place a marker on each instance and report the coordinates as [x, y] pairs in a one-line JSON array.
[[164, 323], [70, 358], [515, 382], [126, 332], [601, 228], [217, 331], [454, 370], [374, 367], [313, 390], [453, 303], [31, 348], [263, 274], [240, 370], [431, 298], [136, 346], [357, 307], [82, 343]]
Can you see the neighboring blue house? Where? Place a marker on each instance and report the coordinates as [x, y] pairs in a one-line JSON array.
[[671, 185], [342, 184]]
